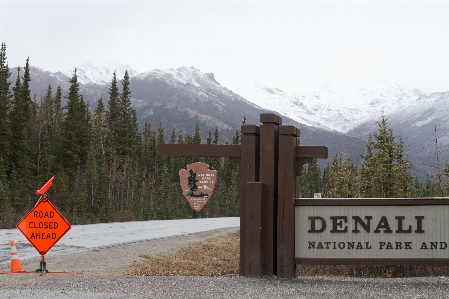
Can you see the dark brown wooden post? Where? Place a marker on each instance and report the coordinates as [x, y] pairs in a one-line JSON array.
[[269, 136], [256, 192], [286, 267], [249, 172]]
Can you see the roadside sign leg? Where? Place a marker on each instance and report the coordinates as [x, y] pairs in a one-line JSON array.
[[43, 266]]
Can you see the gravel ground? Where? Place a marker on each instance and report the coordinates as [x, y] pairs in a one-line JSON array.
[[101, 278]]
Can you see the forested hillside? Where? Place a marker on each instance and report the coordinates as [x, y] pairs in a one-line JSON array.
[[384, 173], [106, 169]]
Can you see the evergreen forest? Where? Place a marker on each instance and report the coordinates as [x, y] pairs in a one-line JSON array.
[[106, 169]]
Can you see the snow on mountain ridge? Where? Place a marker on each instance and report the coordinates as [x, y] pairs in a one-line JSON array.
[[333, 106], [182, 75], [206, 87], [89, 73]]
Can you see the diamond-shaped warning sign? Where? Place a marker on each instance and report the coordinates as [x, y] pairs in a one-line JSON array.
[[43, 226]]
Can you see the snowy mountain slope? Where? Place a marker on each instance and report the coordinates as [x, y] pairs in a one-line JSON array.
[[330, 114], [89, 73], [204, 84], [173, 94], [423, 127], [334, 106], [420, 120], [195, 93]]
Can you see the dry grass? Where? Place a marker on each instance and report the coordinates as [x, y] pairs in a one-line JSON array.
[[220, 256], [213, 257]]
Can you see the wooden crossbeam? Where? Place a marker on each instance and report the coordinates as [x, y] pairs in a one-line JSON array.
[[311, 151]]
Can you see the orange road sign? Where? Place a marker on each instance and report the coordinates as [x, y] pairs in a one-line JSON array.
[[43, 226]]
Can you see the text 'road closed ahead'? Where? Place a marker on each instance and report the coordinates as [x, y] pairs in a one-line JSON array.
[[44, 226]]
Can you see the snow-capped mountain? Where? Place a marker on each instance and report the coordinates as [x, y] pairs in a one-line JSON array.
[[90, 73], [183, 75], [205, 83], [420, 120], [335, 106], [333, 114], [195, 93]]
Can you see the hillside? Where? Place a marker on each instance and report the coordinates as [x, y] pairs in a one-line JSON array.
[[338, 116]]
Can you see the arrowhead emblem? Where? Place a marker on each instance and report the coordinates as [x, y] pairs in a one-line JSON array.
[[197, 184]]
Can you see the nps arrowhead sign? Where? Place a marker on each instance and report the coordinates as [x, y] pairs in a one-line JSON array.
[[197, 184], [43, 226]]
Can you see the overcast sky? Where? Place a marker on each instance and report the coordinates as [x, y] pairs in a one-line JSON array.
[[286, 44]]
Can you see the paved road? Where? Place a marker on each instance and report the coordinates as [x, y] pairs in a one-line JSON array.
[[94, 286], [85, 237]]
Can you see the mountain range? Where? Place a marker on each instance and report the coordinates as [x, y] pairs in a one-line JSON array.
[[338, 115]]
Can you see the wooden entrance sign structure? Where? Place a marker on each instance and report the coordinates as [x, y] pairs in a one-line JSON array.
[[270, 159]]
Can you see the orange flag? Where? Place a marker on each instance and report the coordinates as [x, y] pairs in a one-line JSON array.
[[46, 186]]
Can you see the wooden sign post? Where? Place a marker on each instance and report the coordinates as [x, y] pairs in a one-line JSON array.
[[270, 159]]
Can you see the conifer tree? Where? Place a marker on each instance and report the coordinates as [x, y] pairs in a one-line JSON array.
[[214, 162], [174, 162], [384, 171], [5, 103], [5, 133], [148, 162], [113, 117], [22, 118], [129, 137], [96, 165], [160, 139], [76, 130], [310, 181], [45, 157], [197, 135], [99, 126], [341, 180], [56, 125], [149, 148]]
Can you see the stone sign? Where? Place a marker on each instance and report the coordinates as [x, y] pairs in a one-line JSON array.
[[197, 184], [372, 231]]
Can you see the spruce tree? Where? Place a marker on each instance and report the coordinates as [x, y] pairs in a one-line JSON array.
[[76, 132], [341, 180], [5, 133], [56, 125], [384, 171], [96, 165], [129, 137], [22, 118], [45, 158], [197, 135], [5, 103], [310, 181], [148, 163], [113, 118], [99, 126]]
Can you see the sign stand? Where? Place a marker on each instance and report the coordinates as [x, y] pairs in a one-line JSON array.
[[44, 226], [43, 266]]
